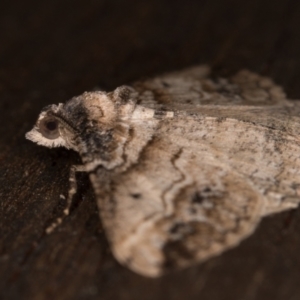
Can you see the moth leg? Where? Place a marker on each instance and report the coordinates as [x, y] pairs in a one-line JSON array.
[[72, 191]]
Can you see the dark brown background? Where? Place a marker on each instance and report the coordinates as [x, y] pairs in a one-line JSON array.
[[52, 50]]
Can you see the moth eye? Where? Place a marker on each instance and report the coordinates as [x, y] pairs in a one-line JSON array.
[[49, 128]]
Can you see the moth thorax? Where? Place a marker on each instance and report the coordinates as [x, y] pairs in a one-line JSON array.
[[101, 108]]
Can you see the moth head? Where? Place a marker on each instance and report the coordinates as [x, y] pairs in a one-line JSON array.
[[64, 125], [52, 129]]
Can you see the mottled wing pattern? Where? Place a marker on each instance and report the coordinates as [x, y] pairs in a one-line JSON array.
[[198, 192], [206, 177]]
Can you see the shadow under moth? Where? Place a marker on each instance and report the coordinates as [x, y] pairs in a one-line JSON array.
[[183, 166]]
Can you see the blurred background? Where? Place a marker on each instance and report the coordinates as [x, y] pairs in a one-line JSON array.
[[53, 50]]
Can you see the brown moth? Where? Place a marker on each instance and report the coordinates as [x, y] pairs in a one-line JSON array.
[[183, 166]]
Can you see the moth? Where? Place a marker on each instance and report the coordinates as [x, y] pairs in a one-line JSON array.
[[184, 166]]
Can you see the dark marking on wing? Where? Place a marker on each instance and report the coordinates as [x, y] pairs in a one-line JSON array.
[[197, 198], [136, 196], [174, 253]]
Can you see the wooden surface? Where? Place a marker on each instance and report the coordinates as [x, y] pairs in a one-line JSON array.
[[53, 50]]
